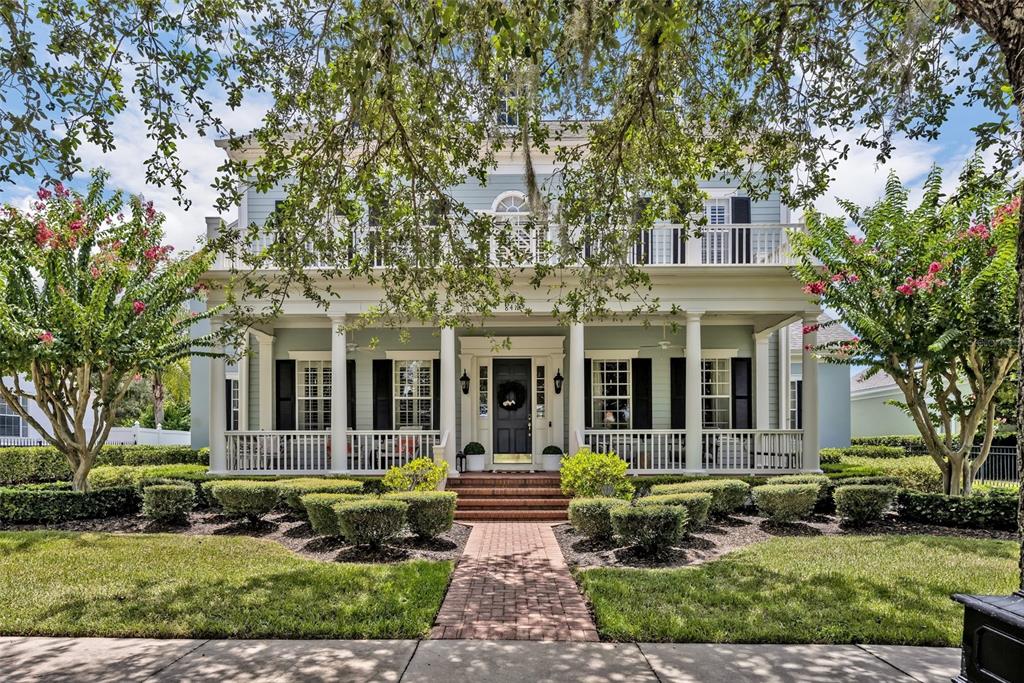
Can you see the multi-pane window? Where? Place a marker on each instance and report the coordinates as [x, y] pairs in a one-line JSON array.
[[414, 393], [715, 390], [11, 423], [541, 391], [513, 203], [483, 392], [795, 418], [234, 405], [717, 211], [610, 382], [313, 394]]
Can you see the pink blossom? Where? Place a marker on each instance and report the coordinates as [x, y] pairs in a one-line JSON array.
[[60, 189], [46, 337], [810, 328], [95, 272], [906, 289], [853, 277], [43, 233], [934, 267], [150, 211], [980, 231], [136, 377], [138, 307], [1006, 210], [152, 254], [76, 225], [807, 347], [43, 193], [855, 340], [856, 240], [838, 277], [116, 244], [815, 288]]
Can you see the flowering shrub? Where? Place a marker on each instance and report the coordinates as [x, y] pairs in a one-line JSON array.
[[930, 292], [89, 298]]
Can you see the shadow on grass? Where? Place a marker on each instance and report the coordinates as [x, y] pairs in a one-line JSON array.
[[789, 528]]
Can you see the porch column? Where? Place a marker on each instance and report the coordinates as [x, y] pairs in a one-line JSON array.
[[243, 385], [694, 414], [812, 460], [448, 390], [577, 379], [266, 376], [761, 382], [218, 408], [339, 395]]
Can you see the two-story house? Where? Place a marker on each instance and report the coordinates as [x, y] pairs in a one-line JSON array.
[[711, 393]]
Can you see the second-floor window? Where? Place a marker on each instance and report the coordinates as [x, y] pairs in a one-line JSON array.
[[513, 202], [718, 211]]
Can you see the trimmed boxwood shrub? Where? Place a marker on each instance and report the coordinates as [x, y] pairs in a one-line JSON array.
[[371, 522], [292, 490], [39, 505], [993, 509], [861, 504], [649, 529], [131, 475], [645, 482], [430, 513], [908, 442], [785, 502], [727, 495], [820, 480], [589, 475], [591, 517], [20, 465], [697, 505], [169, 503], [918, 473], [249, 499], [320, 510]]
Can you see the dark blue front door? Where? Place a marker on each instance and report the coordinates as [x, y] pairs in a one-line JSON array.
[[513, 440]]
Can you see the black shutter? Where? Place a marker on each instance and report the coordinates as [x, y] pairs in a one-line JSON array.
[[741, 408], [741, 236], [382, 387], [677, 392], [285, 398], [228, 421], [437, 396], [641, 389], [588, 394], [350, 391], [679, 245], [799, 404]]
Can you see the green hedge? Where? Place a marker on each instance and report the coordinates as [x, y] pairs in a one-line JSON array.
[[861, 504], [169, 503], [727, 495], [320, 511], [430, 513], [38, 505], [24, 465], [786, 502], [643, 483], [994, 509], [649, 529], [591, 517], [915, 444], [371, 522], [697, 505]]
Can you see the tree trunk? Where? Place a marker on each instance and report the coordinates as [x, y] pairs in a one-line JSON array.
[[158, 399], [80, 479], [956, 477]]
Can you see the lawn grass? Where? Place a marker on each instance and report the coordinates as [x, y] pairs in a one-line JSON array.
[[837, 589], [168, 585]]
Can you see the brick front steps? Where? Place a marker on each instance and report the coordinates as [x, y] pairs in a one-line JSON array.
[[509, 497]]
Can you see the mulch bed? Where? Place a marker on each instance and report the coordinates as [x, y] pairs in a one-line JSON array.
[[720, 537], [285, 528]]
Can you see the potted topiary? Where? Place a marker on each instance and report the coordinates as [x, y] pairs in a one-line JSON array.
[[552, 458], [475, 457]]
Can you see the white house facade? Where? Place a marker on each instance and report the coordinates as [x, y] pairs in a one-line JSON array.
[[704, 391]]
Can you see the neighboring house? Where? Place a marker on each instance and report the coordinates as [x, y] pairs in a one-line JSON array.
[[833, 378], [711, 396], [14, 430], [871, 414]]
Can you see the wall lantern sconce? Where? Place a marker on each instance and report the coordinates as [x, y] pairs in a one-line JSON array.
[[558, 381], [465, 382]]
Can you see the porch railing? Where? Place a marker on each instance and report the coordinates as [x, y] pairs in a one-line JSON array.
[[646, 451], [274, 452], [654, 451], [378, 451], [752, 450]]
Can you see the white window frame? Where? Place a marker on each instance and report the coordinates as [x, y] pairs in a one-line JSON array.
[[234, 399], [718, 206], [408, 408], [483, 391], [719, 368], [540, 380], [511, 195], [794, 403], [598, 409], [7, 412], [317, 403]]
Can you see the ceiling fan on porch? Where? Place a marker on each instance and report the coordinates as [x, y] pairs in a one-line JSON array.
[[664, 343]]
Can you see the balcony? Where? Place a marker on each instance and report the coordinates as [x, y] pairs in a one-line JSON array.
[[664, 245]]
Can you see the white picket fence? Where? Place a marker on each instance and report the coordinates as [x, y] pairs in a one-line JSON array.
[[149, 436]]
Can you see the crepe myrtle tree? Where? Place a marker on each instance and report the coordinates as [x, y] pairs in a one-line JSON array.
[[930, 290], [90, 299]]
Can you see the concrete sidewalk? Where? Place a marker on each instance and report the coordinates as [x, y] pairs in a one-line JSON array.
[[137, 659]]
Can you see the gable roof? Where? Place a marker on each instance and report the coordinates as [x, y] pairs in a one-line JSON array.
[[878, 383]]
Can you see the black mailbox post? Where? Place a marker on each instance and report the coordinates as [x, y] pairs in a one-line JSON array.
[[993, 645]]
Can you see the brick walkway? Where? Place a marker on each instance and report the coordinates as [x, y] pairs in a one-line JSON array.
[[512, 583]]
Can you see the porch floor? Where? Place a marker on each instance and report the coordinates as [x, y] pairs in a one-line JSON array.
[[512, 583]]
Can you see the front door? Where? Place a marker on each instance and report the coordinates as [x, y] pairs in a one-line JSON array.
[[513, 440]]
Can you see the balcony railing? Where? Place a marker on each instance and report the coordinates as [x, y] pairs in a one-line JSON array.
[[654, 451], [662, 245]]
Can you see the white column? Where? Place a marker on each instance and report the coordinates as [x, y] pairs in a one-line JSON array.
[[577, 380], [694, 414], [339, 395], [266, 376], [243, 385], [218, 408], [693, 250], [810, 398], [784, 370], [761, 381], [447, 388]]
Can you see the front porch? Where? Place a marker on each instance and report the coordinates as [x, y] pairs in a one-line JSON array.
[[306, 385]]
